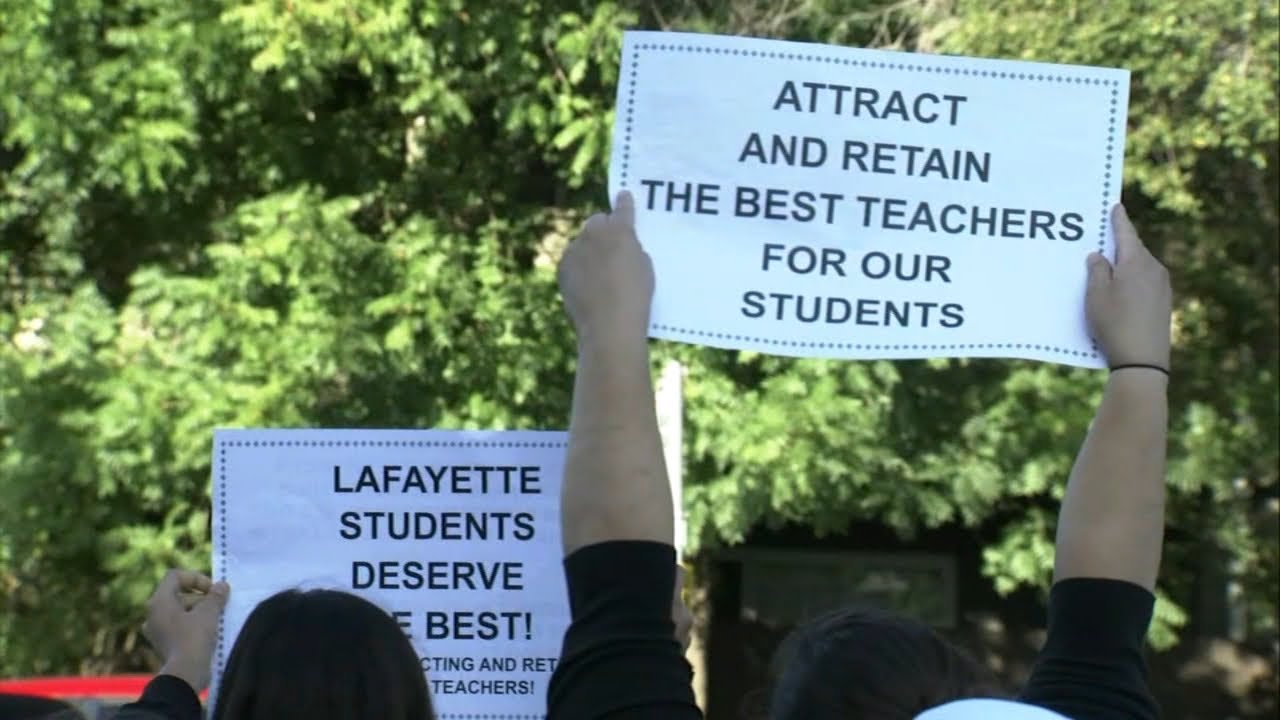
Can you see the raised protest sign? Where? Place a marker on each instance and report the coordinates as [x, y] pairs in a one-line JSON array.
[[821, 201], [457, 534]]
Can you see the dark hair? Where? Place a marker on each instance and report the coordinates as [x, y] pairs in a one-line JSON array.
[[25, 707], [855, 664], [322, 655]]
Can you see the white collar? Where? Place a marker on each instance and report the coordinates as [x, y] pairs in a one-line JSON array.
[[988, 710]]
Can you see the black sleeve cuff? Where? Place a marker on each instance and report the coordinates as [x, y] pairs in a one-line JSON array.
[[620, 656], [1092, 664], [169, 697], [633, 579], [1095, 615]]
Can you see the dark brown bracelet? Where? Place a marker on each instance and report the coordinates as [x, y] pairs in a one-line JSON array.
[[1141, 367]]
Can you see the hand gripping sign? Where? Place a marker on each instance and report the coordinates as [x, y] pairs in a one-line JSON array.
[[456, 534], [821, 201]]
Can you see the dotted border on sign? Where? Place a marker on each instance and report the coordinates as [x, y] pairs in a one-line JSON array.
[[706, 334], [884, 65], [394, 443], [221, 570], [222, 515]]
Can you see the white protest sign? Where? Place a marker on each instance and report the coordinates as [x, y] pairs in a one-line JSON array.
[[455, 533], [821, 201]]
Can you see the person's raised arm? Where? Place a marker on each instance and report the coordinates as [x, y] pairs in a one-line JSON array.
[[615, 481], [620, 659], [1111, 525], [1112, 520], [182, 624]]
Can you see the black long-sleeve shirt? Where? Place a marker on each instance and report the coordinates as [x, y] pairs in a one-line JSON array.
[[1092, 666], [164, 698], [620, 660]]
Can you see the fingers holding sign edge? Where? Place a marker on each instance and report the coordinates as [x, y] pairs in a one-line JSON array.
[[1099, 269], [188, 587], [1128, 244], [624, 208], [176, 582]]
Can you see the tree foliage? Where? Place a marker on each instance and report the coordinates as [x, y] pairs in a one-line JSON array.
[[347, 213]]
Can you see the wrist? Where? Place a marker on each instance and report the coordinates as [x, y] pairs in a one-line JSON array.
[[1140, 360], [618, 339], [1162, 368], [192, 673], [1139, 380]]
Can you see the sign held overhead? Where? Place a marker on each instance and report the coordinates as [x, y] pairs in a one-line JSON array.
[[455, 534], [867, 204]]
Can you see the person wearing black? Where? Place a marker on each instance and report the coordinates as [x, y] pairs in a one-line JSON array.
[[301, 655], [182, 626], [31, 707], [620, 659]]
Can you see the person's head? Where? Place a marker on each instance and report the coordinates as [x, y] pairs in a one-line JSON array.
[[29, 707], [322, 655], [868, 665]]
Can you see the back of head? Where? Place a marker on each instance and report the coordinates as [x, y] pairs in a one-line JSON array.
[[28, 707], [322, 655], [867, 665]]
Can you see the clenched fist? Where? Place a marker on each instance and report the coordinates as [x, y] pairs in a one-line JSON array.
[[1129, 305], [182, 624], [606, 279]]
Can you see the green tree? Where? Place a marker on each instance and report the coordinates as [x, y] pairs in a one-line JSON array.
[[1201, 171], [347, 213], [263, 213]]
